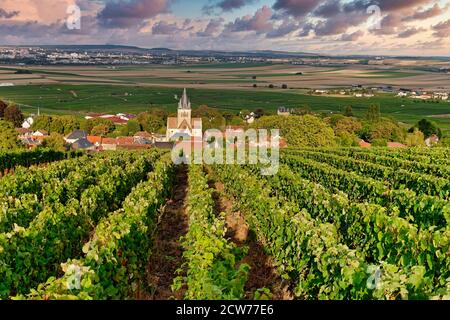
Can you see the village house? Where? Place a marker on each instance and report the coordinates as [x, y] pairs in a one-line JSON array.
[[184, 125], [83, 144], [282, 111], [75, 136], [27, 123], [143, 137], [39, 135], [95, 140], [109, 144], [432, 141]]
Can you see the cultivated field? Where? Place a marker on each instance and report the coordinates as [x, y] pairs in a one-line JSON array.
[[228, 87], [335, 224], [229, 76]]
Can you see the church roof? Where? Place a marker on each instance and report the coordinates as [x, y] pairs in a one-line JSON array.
[[172, 122]]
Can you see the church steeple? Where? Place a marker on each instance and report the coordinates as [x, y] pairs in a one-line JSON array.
[[184, 110], [184, 102]]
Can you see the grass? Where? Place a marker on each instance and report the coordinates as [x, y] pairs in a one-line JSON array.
[[57, 99]]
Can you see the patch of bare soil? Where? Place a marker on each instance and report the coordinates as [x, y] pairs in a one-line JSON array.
[[263, 273], [167, 252]]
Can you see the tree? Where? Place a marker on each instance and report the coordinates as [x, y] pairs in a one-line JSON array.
[[271, 86], [133, 127], [42, 123], [8, 136], [346, 125], [348, 111], [300, 131], [55, 141], [415, 139], [100, 130], [211, 118], [3, 106], [151, 122], [259, 113], [373, 113], [14, 115], [88, 125], [284, 86], [228, 116], [56, 125], [428, 128], [384, 129], [70, 123]]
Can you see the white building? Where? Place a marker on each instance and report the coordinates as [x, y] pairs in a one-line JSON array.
[[28, 123], [184, 125]]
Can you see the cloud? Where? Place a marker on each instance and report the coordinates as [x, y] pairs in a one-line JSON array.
[[287, 27], [390, 25], [8, 14], [328, 9], [434, 11], [442, 29], [260, 22], [229, 5], [385, 5], [352, 36], [226, 5], [165, 28], [296, 8], [213, 27], [411, 32], [126, 14]]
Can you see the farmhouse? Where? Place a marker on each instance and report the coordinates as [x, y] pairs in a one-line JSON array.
[[75, 136], [83, 144], [184, 125]]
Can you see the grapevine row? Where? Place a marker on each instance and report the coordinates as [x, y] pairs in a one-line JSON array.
[[439, 156], [395, 178], [22, 209], [395, 163], [376, 232], [30, 256], [12, 159], [309, 251], [210, 260], [423, 210], [115, 259]]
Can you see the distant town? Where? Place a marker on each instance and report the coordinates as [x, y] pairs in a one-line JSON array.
[[124, 55]]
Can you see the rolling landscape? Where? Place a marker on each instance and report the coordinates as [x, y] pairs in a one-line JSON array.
[[79, 89], [224, 158]]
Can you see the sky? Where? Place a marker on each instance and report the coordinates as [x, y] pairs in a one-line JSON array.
[[378, 27]]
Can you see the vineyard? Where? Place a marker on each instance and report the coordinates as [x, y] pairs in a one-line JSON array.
[[332, 224]]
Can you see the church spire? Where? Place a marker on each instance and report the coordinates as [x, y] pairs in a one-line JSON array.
[[184, 102]]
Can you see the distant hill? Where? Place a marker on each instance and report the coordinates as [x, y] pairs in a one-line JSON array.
[[218, 53]]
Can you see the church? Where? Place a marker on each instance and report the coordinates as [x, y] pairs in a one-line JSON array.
[[184, 125]]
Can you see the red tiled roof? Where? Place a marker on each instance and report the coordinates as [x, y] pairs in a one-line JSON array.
[[364, 144], [94, 139], [143, 134], [118, 120], [42, 132], [109, 141], [124, 140], [23, 130]]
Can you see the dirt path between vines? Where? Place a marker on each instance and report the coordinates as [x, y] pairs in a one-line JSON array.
[[263, 273], [167, 252]]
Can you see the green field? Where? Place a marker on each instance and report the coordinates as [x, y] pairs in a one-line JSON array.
[[59, 99]]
